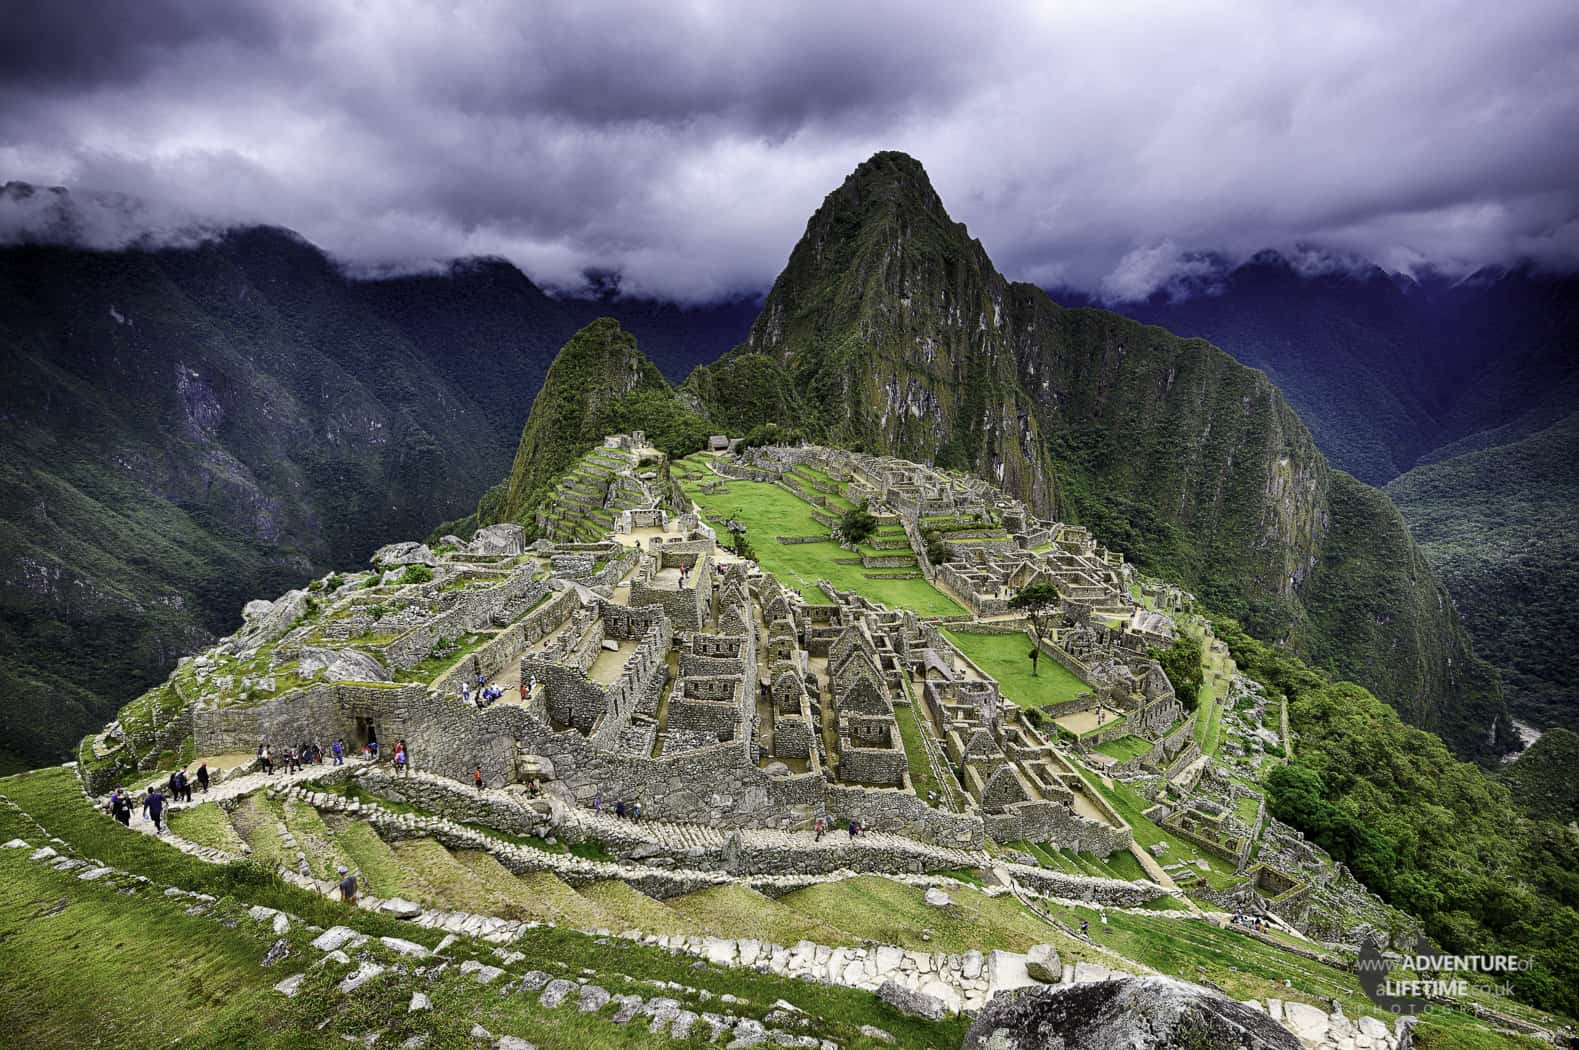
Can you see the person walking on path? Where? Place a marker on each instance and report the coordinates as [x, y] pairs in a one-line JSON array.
[[338, 747], [121, 807], [153, 807], [263, 759], [636, 810], [202, 777], [400, 760], [477, 778], [347, 886], [619, 810]]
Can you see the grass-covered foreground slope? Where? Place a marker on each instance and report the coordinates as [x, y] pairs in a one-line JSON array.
[[1498, 524], [107, 963], [1438, 837], [82, 963], [890, 330]]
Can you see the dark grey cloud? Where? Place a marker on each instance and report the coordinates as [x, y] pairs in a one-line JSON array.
[[684, 145]]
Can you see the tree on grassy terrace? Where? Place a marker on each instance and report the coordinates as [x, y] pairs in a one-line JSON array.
[[1039, 603], [937, 550], [1181, 662], [857, 526]]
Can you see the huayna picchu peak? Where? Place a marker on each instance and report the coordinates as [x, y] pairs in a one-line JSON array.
[[514, 536], [890, 330]]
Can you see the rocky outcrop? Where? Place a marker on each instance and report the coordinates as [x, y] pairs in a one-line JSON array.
[[408, 552], [341, 665], [1138, 1013], [504, 539]]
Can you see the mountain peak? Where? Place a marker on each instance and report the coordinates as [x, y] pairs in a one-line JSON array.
[[887, 178]]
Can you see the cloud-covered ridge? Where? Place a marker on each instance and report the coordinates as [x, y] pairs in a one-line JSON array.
[[683, 146]]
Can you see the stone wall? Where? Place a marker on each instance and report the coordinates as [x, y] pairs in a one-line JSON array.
[[889, 809], [315, 714], [1059, 827], [473, 611]]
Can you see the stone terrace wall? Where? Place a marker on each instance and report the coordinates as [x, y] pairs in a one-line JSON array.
[[476, 610], [889, 809], [720, 785], [1054, 824]]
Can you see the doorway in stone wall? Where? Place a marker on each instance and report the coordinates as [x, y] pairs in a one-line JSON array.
[[366, 734]]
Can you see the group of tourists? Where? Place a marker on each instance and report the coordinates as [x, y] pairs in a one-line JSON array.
[[180, 786], [1255, 923], [822, 825], [484, 695], [295, 759], [177, 789]]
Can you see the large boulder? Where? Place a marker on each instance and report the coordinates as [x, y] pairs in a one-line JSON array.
[[407, 553], [1042, 963], [341, 665], [1133, 1013], [914, 1003], [502, 539]]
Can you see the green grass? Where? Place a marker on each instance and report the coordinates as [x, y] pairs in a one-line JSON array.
[[1124, 748], [207, 825], [921, 778], [52, 797], [1242, 966], [258, 818], [629, 908], [124, 971], [83, 965], [768, 510], [869, 907], [319, 844], [737, 911], [1004, 657]]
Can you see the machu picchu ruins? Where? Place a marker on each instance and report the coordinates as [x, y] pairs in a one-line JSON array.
[[693, 691]]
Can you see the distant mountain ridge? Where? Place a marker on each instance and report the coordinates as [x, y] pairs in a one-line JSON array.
[[183, 429], [1388, 371]]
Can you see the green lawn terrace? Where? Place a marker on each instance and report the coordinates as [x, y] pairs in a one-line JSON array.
[[79, 970], [773, 514]]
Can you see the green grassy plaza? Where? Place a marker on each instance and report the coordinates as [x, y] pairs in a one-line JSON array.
[[768, 510], [1004, 657]]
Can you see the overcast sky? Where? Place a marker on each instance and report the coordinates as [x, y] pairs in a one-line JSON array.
[[685, 144]]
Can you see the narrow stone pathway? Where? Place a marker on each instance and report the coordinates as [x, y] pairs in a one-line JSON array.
[[235, 787]]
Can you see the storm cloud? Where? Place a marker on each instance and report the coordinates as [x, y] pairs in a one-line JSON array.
[[1105, 146]]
